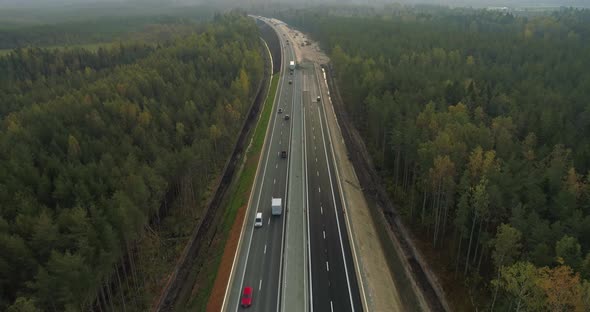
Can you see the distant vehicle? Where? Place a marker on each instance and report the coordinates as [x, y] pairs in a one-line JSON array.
[[258, 220], [318, 98], [290, 81], [287, 117], [292, 65], [280, 110], [247, 297], [277, 206], [283, 154]]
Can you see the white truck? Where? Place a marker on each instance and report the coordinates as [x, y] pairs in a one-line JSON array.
[[277, 207], [292, 65]]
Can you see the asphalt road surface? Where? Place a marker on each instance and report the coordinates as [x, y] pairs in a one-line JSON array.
[[260, 261], [328, 275], [333, 283]]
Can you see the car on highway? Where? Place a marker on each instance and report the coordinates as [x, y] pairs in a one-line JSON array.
[[287, 117], [283, 154], [290, 81], [247, 297], [318, 98], [280, 110], [258, 220]]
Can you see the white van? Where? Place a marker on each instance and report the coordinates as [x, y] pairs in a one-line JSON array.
[[258, 221]]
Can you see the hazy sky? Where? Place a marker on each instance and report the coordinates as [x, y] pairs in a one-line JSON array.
[[476, 3]]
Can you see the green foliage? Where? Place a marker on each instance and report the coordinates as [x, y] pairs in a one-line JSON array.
[[81, 23], [568, 249], [506, 245], [520, 282], [23, 305], [542, 289], [480, 119], [91, 141]]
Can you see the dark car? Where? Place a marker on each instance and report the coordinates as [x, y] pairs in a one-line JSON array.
[[283, 154], [287, 117], [290, 81], [247, 297]]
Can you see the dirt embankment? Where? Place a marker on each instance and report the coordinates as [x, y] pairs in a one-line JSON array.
[[424, 279]]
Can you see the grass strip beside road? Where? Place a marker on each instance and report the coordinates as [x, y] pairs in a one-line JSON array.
[[237, 199]]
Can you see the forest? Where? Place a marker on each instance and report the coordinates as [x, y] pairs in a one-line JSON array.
[[93, 23], [479, 123], [90, 144]]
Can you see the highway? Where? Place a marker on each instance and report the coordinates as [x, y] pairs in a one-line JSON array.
[[334, 285], [299, 261], [259, 264]]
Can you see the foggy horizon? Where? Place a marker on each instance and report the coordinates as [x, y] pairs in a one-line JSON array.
[[242, 3]]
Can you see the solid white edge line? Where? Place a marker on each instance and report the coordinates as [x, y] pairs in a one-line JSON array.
[[277, 99], [346, 216], [283, 259], [336, 213], [307, 213], [242, 232]]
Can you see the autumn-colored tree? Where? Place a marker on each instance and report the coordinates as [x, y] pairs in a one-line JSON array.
[[562, 289]]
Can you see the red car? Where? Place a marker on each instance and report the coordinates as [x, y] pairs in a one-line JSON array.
[[247, 297]]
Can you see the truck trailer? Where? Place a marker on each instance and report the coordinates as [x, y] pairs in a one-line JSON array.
[[277, 207]]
